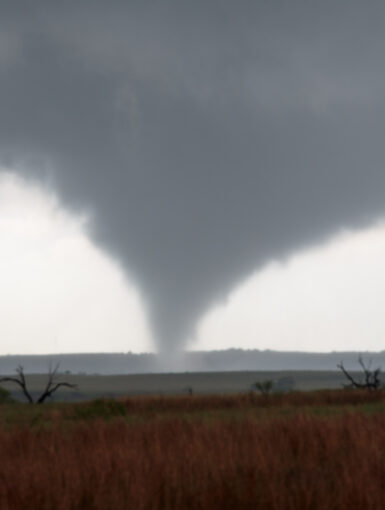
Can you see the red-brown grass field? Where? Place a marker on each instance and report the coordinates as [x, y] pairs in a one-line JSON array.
[[299, 451]]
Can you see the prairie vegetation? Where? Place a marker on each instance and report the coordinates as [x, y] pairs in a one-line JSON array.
[[202, 383], [321, 450]]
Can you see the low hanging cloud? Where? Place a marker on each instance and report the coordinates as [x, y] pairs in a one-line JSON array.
[[205, 138]]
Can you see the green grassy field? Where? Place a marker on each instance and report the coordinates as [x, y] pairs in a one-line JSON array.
[[201, 383]]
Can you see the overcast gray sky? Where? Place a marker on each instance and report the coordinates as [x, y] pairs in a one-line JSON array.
[[203, 139]]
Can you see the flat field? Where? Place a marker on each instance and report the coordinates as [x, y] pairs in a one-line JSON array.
[[200, 383], [296, 451]]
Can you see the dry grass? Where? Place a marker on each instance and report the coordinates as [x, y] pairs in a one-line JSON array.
[[297, 462]]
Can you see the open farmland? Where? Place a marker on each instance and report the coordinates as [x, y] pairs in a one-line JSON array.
[[201, 383], [314, 450]]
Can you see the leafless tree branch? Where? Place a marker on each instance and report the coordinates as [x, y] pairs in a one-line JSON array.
[[20, 380], [371, 377], [50, 388]]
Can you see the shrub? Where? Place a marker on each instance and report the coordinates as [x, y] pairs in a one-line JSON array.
[[101, 408], [265, 387], [5, 396]]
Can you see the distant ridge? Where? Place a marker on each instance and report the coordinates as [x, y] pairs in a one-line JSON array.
[[210, 361]]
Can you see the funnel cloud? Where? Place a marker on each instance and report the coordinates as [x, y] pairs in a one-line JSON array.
[[205, 137]]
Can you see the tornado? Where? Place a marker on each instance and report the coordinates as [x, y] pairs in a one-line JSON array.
[[204, 138]]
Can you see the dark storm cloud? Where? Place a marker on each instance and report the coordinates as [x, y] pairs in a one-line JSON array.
[[206, 136]]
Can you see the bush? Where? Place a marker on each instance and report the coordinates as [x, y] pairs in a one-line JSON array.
[[5, 396], [101, 408], [265, 387]]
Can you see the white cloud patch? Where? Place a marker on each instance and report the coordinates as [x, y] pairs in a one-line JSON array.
[[59, 293], [330, 297]]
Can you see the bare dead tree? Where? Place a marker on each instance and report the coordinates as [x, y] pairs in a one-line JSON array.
[[19, 380], [52, 384], [371, 380]]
